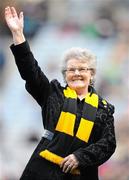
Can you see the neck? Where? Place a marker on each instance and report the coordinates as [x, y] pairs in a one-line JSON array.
[[81, 93]]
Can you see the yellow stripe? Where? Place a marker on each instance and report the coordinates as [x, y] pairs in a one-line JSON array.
[[92, 100], [84, 129], [66, 123], [51, 157], [55, 159], [69, 93], [104, 102]]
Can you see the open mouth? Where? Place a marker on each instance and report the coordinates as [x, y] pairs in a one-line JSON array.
[[78, 79]]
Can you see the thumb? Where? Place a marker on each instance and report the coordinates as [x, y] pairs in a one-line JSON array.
[[21, 17]]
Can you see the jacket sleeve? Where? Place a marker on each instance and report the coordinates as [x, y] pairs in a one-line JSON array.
[[37, 83], [99, 152]]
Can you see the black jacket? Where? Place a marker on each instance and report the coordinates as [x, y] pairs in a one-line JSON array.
[[49, 96]]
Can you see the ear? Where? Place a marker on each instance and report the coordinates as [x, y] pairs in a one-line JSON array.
[[93, 72], [92, 81]]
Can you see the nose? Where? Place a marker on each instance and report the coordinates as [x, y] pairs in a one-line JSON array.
[[77, 71]]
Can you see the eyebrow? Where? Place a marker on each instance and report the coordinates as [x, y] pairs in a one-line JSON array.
[[77, 67]]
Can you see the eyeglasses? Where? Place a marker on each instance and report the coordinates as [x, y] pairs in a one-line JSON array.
[[80, 70]]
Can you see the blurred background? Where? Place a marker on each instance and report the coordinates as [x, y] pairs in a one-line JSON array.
[[51, 27]]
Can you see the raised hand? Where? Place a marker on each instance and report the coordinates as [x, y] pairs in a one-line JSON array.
[[15, 23]]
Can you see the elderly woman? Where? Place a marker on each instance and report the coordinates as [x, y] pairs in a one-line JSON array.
[[78, 124]]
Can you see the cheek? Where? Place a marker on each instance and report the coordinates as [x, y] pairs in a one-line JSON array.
[[67, 77], [89, 76]]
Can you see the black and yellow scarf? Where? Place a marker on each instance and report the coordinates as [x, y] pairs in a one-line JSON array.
[[67, 119]]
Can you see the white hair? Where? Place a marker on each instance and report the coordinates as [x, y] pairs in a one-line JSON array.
[[81, 54]]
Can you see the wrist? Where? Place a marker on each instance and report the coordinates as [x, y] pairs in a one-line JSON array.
[[18, 37]]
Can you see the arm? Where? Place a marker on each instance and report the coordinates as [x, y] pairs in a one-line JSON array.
[[101, 151], [36, 82]]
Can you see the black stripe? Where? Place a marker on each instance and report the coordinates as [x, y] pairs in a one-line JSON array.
[[89, 112], [70, 105]]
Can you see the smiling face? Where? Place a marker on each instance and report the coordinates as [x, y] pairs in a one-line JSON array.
[[78, 75]]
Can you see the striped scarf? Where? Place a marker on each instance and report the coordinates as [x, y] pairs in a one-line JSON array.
[[67, 119]]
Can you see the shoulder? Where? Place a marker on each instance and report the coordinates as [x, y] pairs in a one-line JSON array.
[[107, 106], [104, 105], [55, 84], [56, 88]]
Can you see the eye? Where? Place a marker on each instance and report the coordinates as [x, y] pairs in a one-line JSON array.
[[82, 69], [71, 69]]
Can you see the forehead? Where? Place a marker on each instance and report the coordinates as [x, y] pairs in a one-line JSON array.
[[76, 63]]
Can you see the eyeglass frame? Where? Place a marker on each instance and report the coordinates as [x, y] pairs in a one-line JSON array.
[[81, 70]]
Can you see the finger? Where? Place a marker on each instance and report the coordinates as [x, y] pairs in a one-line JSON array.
[[64, 161], [73, 167], [14, 12], [8, 13], [67, 168], [65, 165], [21, 17]]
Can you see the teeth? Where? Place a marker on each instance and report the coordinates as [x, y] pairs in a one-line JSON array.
[[77, 80]]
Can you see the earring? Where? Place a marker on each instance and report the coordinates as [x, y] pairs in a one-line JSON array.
[[92, 82]]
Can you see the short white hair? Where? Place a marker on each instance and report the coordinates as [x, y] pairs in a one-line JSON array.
[[81, 54]]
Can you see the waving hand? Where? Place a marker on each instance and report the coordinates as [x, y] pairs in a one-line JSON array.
[[15, 23]]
